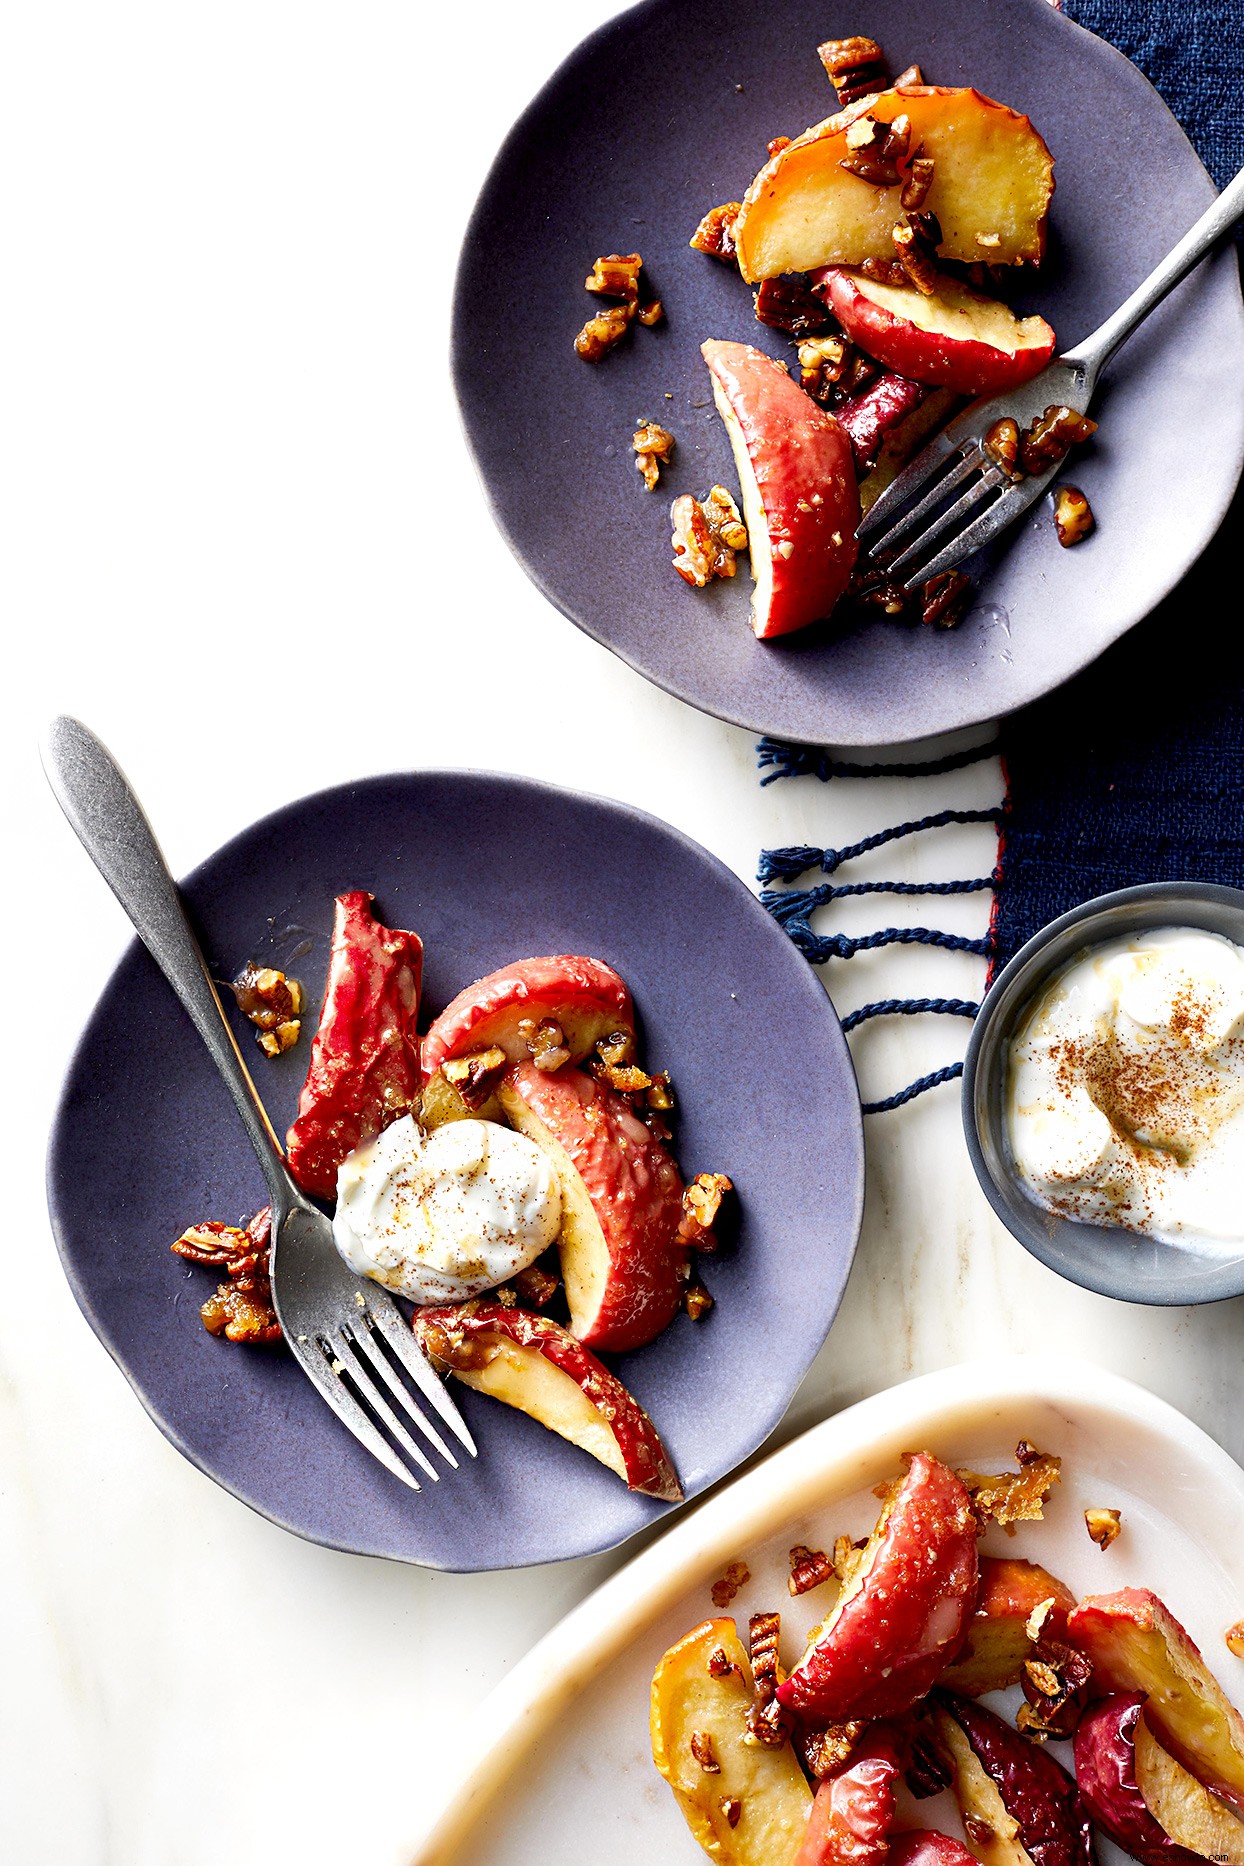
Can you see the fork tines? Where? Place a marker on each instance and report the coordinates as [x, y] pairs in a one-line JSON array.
[[926, 520]]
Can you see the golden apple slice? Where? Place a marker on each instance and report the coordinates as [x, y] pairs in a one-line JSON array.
[[752, 1807], [992, 181], [1184, 1807]]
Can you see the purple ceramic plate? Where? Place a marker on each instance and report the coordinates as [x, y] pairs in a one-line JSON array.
[[665, 112], [487, 869]]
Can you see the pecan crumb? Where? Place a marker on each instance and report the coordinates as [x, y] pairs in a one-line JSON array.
[[731, 1807], [1103, 1526], [737, 1575], [855, 67], [652, 445], [475, 1076], [701, 1207], [1001, 443], [546, 1043], [809, 1568], [535, 1286], [242, 1308], [944, 599], [602, 332], [616, 275], [705, 1755], [1234, 1637], [885, 271], [1073, 515], [696, 1301], [651, 313], [822, 361], [910, 75], [617, 1048], [719, 1666], [272, 1003], [715, 233], [1049, 437]]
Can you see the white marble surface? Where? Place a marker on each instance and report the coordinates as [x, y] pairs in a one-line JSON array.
[[232, 469]]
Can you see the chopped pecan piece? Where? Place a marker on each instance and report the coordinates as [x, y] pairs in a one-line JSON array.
[[241, 1308], [1103, 1526], [1055, 1681], [1014, 1496], [1048, 438], [885, 271], [876, 591], [715, 233], [706, 536], [602, 332], [910, 74], [809, 1568], [701, 1206], [877, 152], [719, 1666], [651, 313], [273, 1003], [476, 1076], [767, 1722], [696, 1301], [944, 599], [737, 1575], [616, 275], [1234, 1637], [856, 67], [617, 1048], [1001, 443], [535, 1286], [822, 361], [916, 183], [916, 239], [824, 1752], [732, 1808], [652, 446], [1073, 515], [790, 304], [704, 1753], [546, 1042]]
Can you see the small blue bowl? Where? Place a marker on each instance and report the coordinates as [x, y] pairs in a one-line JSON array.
[[1104, 1258]]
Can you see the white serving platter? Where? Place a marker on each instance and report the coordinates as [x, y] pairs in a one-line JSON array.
[[559, 1769]]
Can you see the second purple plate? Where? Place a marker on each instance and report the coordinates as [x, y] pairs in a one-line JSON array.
[[486, 869]]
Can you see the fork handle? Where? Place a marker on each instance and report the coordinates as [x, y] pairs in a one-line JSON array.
[[1218, 218], [95, 795]]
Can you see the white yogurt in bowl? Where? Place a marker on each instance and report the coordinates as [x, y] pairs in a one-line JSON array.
[[1124, 1098]]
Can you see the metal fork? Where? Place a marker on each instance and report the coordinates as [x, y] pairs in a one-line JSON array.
[[953, 498], [345, 1332]]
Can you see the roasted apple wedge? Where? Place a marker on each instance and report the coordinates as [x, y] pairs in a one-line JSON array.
[[800, 499], [1183, 1807], [997, 1640], [953, 337], [992, 181], [1105, 1755], [903, 1613], [532, 1363], [853, 1811], [621, 1260], [1018, 1804], [584, 997], [746, 1803], [1135, 1643]]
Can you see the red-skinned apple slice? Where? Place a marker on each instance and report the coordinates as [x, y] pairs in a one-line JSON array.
[[925, 1846], [997, 1643], [853, 1811], [1105, 1753], [1136, 1644], [953, 338], [1018, 1803], [585, 996], [902, 1616], [621, 1204], [801, 503], [532, 1363], [1183, 1807]]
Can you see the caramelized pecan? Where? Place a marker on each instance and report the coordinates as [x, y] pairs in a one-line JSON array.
[[1073, 515], [715, 233]]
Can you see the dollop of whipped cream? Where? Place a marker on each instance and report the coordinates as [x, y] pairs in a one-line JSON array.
[[1125, 1098], [439, 1217]]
